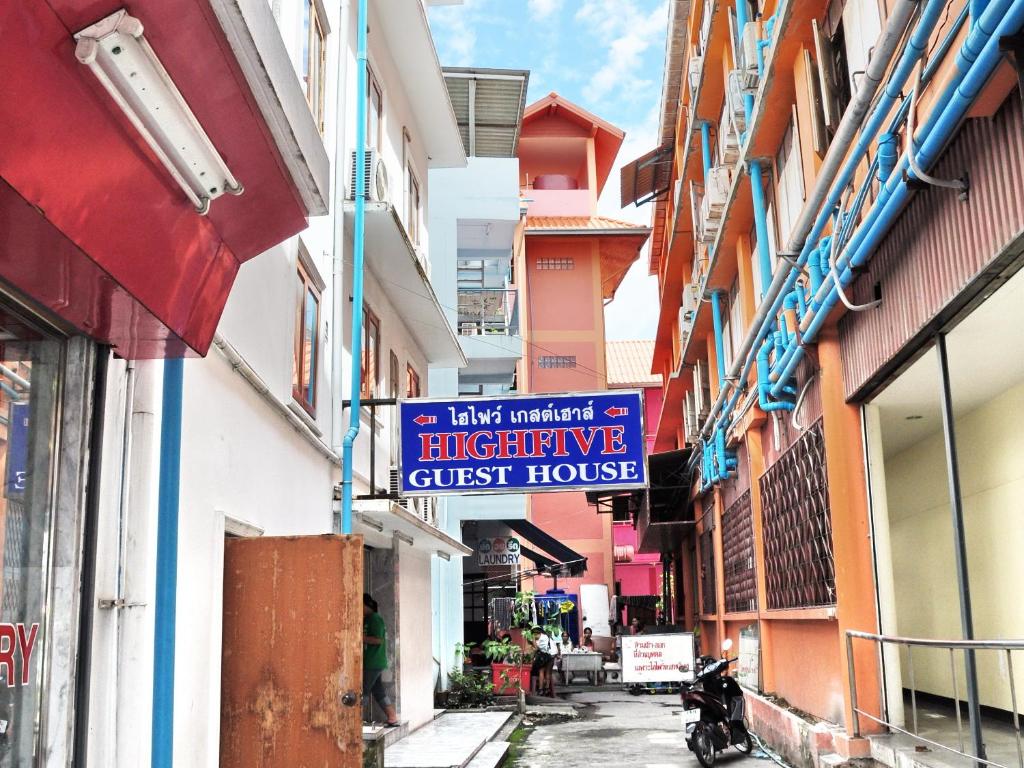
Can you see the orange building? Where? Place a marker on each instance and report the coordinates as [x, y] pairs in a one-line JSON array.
[[837, 233], [571, 266]]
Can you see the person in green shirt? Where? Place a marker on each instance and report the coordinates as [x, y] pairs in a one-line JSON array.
[[375, 659]]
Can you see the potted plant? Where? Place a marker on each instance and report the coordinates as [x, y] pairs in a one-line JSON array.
[[522, 617], [463, 652], [510, 666]]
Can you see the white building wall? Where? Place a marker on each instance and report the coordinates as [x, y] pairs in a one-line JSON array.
[[417, 664]]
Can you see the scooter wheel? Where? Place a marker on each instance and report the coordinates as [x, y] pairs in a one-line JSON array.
[[704, 747]]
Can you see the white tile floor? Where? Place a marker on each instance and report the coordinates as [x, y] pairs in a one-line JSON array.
[[450, 741]]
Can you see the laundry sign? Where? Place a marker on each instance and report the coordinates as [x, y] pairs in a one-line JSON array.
[[522, 443], [499, 550]]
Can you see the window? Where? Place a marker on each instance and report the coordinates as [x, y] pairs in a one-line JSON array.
[[412, 382], [412, 211], [374, 111], [556, 264], [557, 361], [789, 174], [314, 58], [393, 375], [307, 334], [371, 355]]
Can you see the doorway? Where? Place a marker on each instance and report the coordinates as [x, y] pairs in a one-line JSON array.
[[947, 562]]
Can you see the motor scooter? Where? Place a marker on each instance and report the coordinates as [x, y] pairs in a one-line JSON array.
[[713, 710]]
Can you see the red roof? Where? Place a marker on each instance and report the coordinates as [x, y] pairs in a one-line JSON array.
[[569, 224]]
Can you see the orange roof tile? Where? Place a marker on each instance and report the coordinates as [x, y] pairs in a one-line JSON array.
[[583, 223], [629, 363]]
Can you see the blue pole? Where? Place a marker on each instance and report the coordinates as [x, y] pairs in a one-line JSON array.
[[716, 315], [764, 255], [705, 146], [162, 748], [357, 272]]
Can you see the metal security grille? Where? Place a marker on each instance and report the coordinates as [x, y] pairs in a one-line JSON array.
[[799, 563], [738, 556], [709, 603]]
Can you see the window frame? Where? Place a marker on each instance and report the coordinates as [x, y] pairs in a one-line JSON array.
[[412, 382], [368, 389], [309, 283], [316, 30], [414, 202], [373, 87]]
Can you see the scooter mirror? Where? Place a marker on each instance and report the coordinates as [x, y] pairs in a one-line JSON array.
[[727, 645]]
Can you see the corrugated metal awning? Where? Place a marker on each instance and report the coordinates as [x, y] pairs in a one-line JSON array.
[[488, 105], [646, 178]]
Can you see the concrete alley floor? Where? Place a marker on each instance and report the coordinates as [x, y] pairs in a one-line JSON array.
[[616, 729]]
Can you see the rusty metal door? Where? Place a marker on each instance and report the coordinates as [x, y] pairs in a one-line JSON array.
[[292, 652]]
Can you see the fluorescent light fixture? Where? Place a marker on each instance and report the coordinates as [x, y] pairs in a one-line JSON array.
[[122, 60]]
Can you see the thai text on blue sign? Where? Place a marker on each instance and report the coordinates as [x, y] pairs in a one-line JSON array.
[[523, 443]]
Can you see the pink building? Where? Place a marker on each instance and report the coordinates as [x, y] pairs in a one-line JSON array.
[[572, 264], [637, 576]]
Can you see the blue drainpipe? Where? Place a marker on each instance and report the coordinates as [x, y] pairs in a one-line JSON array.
[[705, 146], [716, 316], [764, 256], [162, 747], [357, 272]]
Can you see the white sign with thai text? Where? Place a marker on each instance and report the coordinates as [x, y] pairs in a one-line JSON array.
[[499, 550], [657, 658]]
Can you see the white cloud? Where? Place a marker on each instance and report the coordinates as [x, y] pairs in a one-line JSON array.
[[542, 9], [627, 32], [454, 34], [633, 313]]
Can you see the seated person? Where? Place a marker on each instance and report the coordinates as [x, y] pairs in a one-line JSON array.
[[565, 644], [588, 639]]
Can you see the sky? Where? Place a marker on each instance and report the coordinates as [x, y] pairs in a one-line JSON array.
[[605, 55]]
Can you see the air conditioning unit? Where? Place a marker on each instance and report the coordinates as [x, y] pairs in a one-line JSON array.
[[393, 489], [717, 186], [691, 299], [728, 142], [690, 425], [375, 178], [734, 94], [696, 63], [701, 391], [704, 231], [749, 38]]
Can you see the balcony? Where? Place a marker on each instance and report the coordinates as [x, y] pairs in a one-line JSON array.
[[489, 334]]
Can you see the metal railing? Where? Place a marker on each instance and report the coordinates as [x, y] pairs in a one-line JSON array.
[[965, 646], [488, 312], [424, 507]]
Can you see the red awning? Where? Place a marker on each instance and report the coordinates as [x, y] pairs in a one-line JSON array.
[[95, 229]]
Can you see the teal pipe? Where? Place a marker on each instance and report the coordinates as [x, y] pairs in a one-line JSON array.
[[764, 401], [705, 146], [166, 592], [764, 255], [726, 462], [358, 246], [716, 317], [887, 155]]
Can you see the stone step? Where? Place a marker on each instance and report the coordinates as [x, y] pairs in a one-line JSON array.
[[450, 741], [490, 755]]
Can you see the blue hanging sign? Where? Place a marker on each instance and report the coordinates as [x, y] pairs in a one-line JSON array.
[[16, 474], [522, 443]]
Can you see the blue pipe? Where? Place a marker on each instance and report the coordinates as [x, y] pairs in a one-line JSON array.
[[764, 255], [166, 592], [975, 63], [705, 146], [977, 8], [918, 42], [929, 18], [358, 246], [716, 316], [726, 462], [886, 155], [763, 401]]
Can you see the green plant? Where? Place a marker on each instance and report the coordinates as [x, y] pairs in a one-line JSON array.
[[463, 650], [469, 689], [522, 609], [505, 652]]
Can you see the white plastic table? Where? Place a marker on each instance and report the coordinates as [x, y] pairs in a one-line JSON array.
[[589, 664]]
